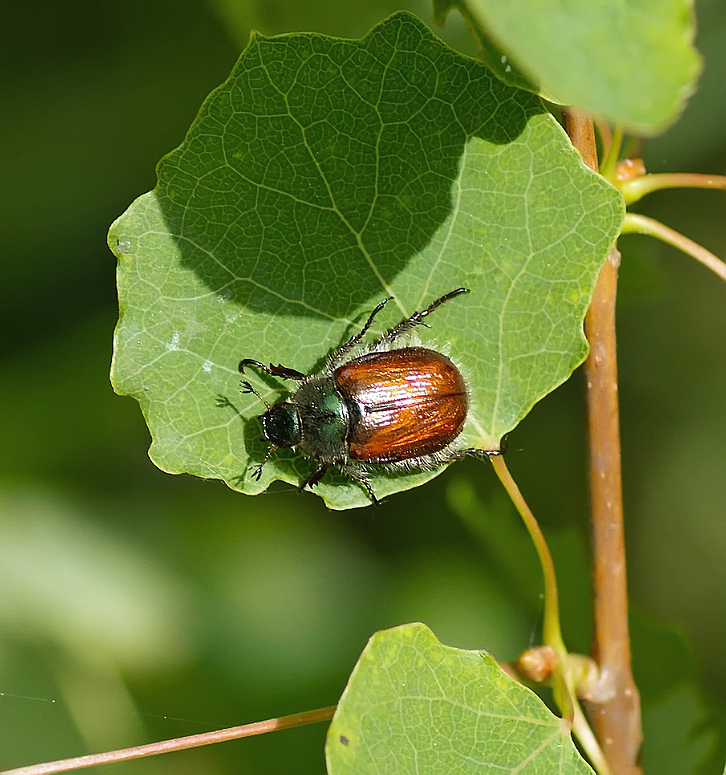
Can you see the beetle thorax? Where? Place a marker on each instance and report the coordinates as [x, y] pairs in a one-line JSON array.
[[324, 420]]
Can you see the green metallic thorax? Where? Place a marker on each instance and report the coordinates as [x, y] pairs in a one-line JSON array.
[[324, 418], [315, 418]]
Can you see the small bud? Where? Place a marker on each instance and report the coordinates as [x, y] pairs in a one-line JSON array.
[[536, 664]]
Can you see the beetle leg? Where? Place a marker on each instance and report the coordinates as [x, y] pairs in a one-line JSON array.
[[246, 387], [275, 371], [482, 454], [257, 470], [487, 453], [368, 487], [287, 373], [353, 341], [314, 478], [417, 319], [353, 474]]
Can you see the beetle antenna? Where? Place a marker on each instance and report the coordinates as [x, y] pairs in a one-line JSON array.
[[247, 388]]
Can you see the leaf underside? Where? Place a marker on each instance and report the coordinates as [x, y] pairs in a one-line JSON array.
[[631, 62], [322, 176]]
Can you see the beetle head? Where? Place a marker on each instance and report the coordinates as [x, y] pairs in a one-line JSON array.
[[281, 425]]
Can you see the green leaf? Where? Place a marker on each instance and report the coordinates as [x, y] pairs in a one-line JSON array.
[[492, 54], [323, 176], [415, 705], [631, 62]]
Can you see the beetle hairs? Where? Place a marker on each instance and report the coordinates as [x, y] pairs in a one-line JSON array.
[[333, 416]]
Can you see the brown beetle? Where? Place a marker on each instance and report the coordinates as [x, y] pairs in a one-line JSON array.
[[386, 409]]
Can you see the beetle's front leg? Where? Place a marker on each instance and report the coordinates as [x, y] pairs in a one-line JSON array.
[[257, 469], [275, 371]]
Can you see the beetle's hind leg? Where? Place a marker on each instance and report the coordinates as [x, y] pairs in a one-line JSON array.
[[482, 454], [486, 453], [354, 474], [418, 318], [344, 349]]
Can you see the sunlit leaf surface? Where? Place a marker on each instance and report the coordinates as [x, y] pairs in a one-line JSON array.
[[413, 705], [323, 176]]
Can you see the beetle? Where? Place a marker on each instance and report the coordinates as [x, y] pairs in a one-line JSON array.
[[385, 409]]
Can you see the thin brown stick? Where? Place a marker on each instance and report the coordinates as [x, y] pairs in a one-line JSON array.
[[581, 131], [177, 744], [617, 719]]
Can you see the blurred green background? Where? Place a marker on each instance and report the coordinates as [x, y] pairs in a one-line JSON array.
[[136, 606]]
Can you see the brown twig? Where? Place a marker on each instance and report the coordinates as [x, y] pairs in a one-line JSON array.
[[177, 744], [617, 718]]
